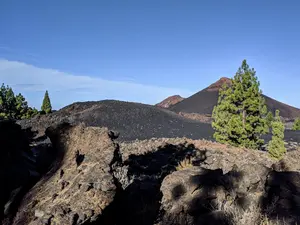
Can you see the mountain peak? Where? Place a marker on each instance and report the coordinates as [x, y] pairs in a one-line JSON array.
[[172, 100], [217, 85]]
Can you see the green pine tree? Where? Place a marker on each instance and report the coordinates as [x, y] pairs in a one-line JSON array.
[[296, 125], [11, 103], [276, 146], [269, 119], [46, 106], [239, 117], [14, 107], [3, 102], [21, 107], [31, 112]]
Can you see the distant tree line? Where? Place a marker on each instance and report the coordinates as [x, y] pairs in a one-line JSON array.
[[16, 107], [240, 118]]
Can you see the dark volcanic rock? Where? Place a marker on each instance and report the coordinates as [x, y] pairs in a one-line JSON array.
[[80, 184], [159, 181], [14, 171]]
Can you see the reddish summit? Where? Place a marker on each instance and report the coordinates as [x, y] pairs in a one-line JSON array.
[[172, 100], [217, 85]]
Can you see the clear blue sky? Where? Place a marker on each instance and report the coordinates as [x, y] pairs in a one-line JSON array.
[[146, 50]]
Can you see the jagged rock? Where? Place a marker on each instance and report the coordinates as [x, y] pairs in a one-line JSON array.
[[80, 184], [223, 183], [165, 181]]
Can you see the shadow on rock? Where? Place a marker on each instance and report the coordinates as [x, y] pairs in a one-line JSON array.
[[198, 196], [282, 198], [138, 202], [25, 166]]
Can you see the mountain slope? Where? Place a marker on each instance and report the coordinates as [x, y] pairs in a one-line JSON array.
[[204, 101], [131, 120]]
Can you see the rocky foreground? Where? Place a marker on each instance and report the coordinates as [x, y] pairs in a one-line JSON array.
[[93, 179]]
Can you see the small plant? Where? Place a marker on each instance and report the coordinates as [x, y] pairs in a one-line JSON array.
[[296, 125], [185, 163], [276, 147]]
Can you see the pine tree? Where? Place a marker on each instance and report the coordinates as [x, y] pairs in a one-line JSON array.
[[21, 107], [239, 117], [11, 103], [276, 146], [31, 112], [269, 119], [14, 107], [296, 125], [46, 106], [3, 102]]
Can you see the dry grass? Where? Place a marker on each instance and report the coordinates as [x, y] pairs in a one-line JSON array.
[[185, 163], [251, 216]]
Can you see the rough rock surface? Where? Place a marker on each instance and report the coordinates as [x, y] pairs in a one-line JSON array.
[[219, 184], [79, 186], [203, 196], [164, 181]]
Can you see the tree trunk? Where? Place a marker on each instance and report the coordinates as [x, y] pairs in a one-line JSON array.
[[244, 118]]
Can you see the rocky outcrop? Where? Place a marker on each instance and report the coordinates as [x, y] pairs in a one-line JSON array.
[[79, 186], [177, 181], [203, 196], [209, 183]]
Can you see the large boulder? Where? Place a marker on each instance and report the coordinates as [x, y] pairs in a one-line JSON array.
[[202, 196], [80, 184]]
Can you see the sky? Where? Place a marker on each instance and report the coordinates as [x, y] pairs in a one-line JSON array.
[[145, 51]]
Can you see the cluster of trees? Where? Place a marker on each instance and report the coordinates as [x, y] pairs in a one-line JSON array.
[[240, 118], [16, 107]]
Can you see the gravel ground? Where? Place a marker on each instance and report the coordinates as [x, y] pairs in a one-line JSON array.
[[132, 120], [139, 121]]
